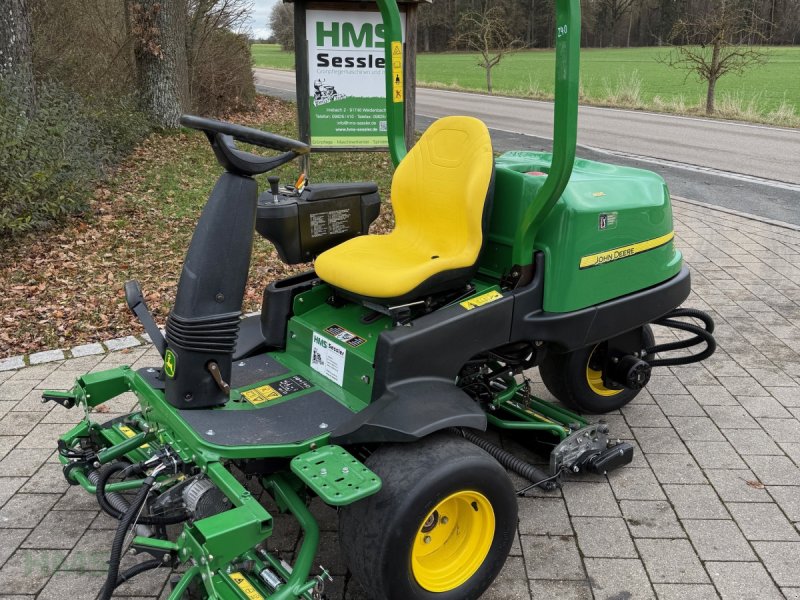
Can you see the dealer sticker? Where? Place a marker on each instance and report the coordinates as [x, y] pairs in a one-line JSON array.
[[482, 299], [328, 358]]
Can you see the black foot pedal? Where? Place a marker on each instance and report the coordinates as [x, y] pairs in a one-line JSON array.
[[135, 300]]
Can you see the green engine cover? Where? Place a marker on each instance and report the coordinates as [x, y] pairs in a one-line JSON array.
[[610, 233]]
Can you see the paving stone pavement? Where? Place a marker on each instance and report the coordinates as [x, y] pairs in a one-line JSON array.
[[710, 507]]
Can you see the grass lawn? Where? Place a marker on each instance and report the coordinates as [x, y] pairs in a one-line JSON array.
[[605, 73], [63, 287]]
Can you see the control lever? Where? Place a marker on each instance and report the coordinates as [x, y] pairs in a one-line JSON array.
[[274, 187], [135, 300]]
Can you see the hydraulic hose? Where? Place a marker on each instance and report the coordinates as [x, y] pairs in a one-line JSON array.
[[701, 334], [119, 537], [112, 503], [115, 509], [137, 569], [509, 461]]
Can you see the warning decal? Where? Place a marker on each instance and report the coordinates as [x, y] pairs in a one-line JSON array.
[[244, 585], [348, 337], [328, 358], [397, 71], [276, 389], [481, 300], [262, 394]]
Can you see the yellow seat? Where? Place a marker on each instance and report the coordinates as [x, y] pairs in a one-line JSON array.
[[439, 192]]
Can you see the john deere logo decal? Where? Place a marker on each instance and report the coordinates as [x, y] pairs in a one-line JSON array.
[[170, 362]]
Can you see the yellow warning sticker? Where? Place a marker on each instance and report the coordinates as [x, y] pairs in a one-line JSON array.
[[262, 394], [244, 585], [481, 300], [608, 256], [397, 71], [129, 433]]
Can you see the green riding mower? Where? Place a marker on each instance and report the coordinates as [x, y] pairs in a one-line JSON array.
[[367, 381]]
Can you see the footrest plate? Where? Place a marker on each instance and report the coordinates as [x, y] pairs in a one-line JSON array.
[[335, 475]]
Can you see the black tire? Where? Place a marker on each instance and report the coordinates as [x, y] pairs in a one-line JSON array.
[[565, 376], [378, 534]]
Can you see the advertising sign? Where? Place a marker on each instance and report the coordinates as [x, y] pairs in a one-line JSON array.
[[346, 78]]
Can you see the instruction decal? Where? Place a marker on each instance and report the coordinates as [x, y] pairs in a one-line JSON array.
[[397, 71], [244, 585], [481, 300], [261, 394], [348, 337], [276, 389], [607, 256], [328, 358]]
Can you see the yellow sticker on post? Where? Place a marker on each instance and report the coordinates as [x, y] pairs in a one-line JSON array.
[[243, 584], [481, 300], [397, 72]]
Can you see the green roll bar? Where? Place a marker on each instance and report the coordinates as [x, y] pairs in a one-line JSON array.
[[565, 119]]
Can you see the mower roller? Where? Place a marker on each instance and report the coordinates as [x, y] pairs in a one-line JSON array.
[[368, 381]]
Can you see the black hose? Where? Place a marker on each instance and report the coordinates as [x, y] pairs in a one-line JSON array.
[[701, 334], [137, 569], [112, 506], [119, 538], [509, 461]]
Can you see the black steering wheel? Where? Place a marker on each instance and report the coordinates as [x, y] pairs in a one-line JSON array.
[[223, 136]]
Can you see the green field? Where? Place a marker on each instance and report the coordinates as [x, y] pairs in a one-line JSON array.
[[618, 76]]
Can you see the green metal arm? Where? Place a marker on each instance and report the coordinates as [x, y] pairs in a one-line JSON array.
[[395, 109], [565, 128]]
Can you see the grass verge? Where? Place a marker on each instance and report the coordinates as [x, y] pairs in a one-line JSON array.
[[64, 287], [615, 77]]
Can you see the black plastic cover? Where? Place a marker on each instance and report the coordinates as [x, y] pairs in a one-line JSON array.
[[322, 216]]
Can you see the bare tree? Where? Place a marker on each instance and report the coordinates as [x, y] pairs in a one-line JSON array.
[[16, 56], [281, 22], [158, 29], [712, 45], [486, 32]]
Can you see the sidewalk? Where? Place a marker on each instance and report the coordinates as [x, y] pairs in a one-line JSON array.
[[710, 507]]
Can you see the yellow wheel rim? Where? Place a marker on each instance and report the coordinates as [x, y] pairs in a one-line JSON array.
[[595, 379], [453, 541]]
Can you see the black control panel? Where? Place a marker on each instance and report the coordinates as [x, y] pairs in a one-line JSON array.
[[305, 224]]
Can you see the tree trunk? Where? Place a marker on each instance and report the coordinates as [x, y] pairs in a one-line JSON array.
[[712, 79], [16, 58], [712, 84], [159, 34], [489, 79]]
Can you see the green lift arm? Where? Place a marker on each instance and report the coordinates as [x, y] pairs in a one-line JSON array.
[[565, 121]]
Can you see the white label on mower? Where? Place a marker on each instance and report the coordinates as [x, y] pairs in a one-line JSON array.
[[328, 358]]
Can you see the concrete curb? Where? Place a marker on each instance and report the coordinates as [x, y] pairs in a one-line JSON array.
[[47, 356]]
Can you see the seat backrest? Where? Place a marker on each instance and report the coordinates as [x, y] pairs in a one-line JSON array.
[[440, 188]]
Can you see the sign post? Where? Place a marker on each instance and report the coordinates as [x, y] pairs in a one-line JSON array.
[[340, 74]]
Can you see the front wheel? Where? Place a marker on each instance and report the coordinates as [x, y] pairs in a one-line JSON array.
[[576, 378], [440, 528]]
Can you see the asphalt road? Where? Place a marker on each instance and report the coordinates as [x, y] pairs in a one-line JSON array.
[[749, 168]]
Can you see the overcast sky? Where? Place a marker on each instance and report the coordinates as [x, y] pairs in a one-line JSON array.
[[260, 16]]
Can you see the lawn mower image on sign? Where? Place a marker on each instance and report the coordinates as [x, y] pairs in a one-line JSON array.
[[367, 382]]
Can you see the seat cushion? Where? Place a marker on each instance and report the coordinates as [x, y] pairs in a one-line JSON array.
[[438, 195]]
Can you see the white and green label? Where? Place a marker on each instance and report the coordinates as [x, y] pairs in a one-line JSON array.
[[346, 72]]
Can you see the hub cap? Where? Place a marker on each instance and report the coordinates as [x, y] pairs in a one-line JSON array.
[[453, 541], [594, 378]]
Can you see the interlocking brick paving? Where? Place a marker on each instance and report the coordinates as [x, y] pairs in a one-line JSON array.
[[710, 507]]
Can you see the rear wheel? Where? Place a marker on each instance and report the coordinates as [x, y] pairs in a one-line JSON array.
[[440, 527], [576, 378]]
